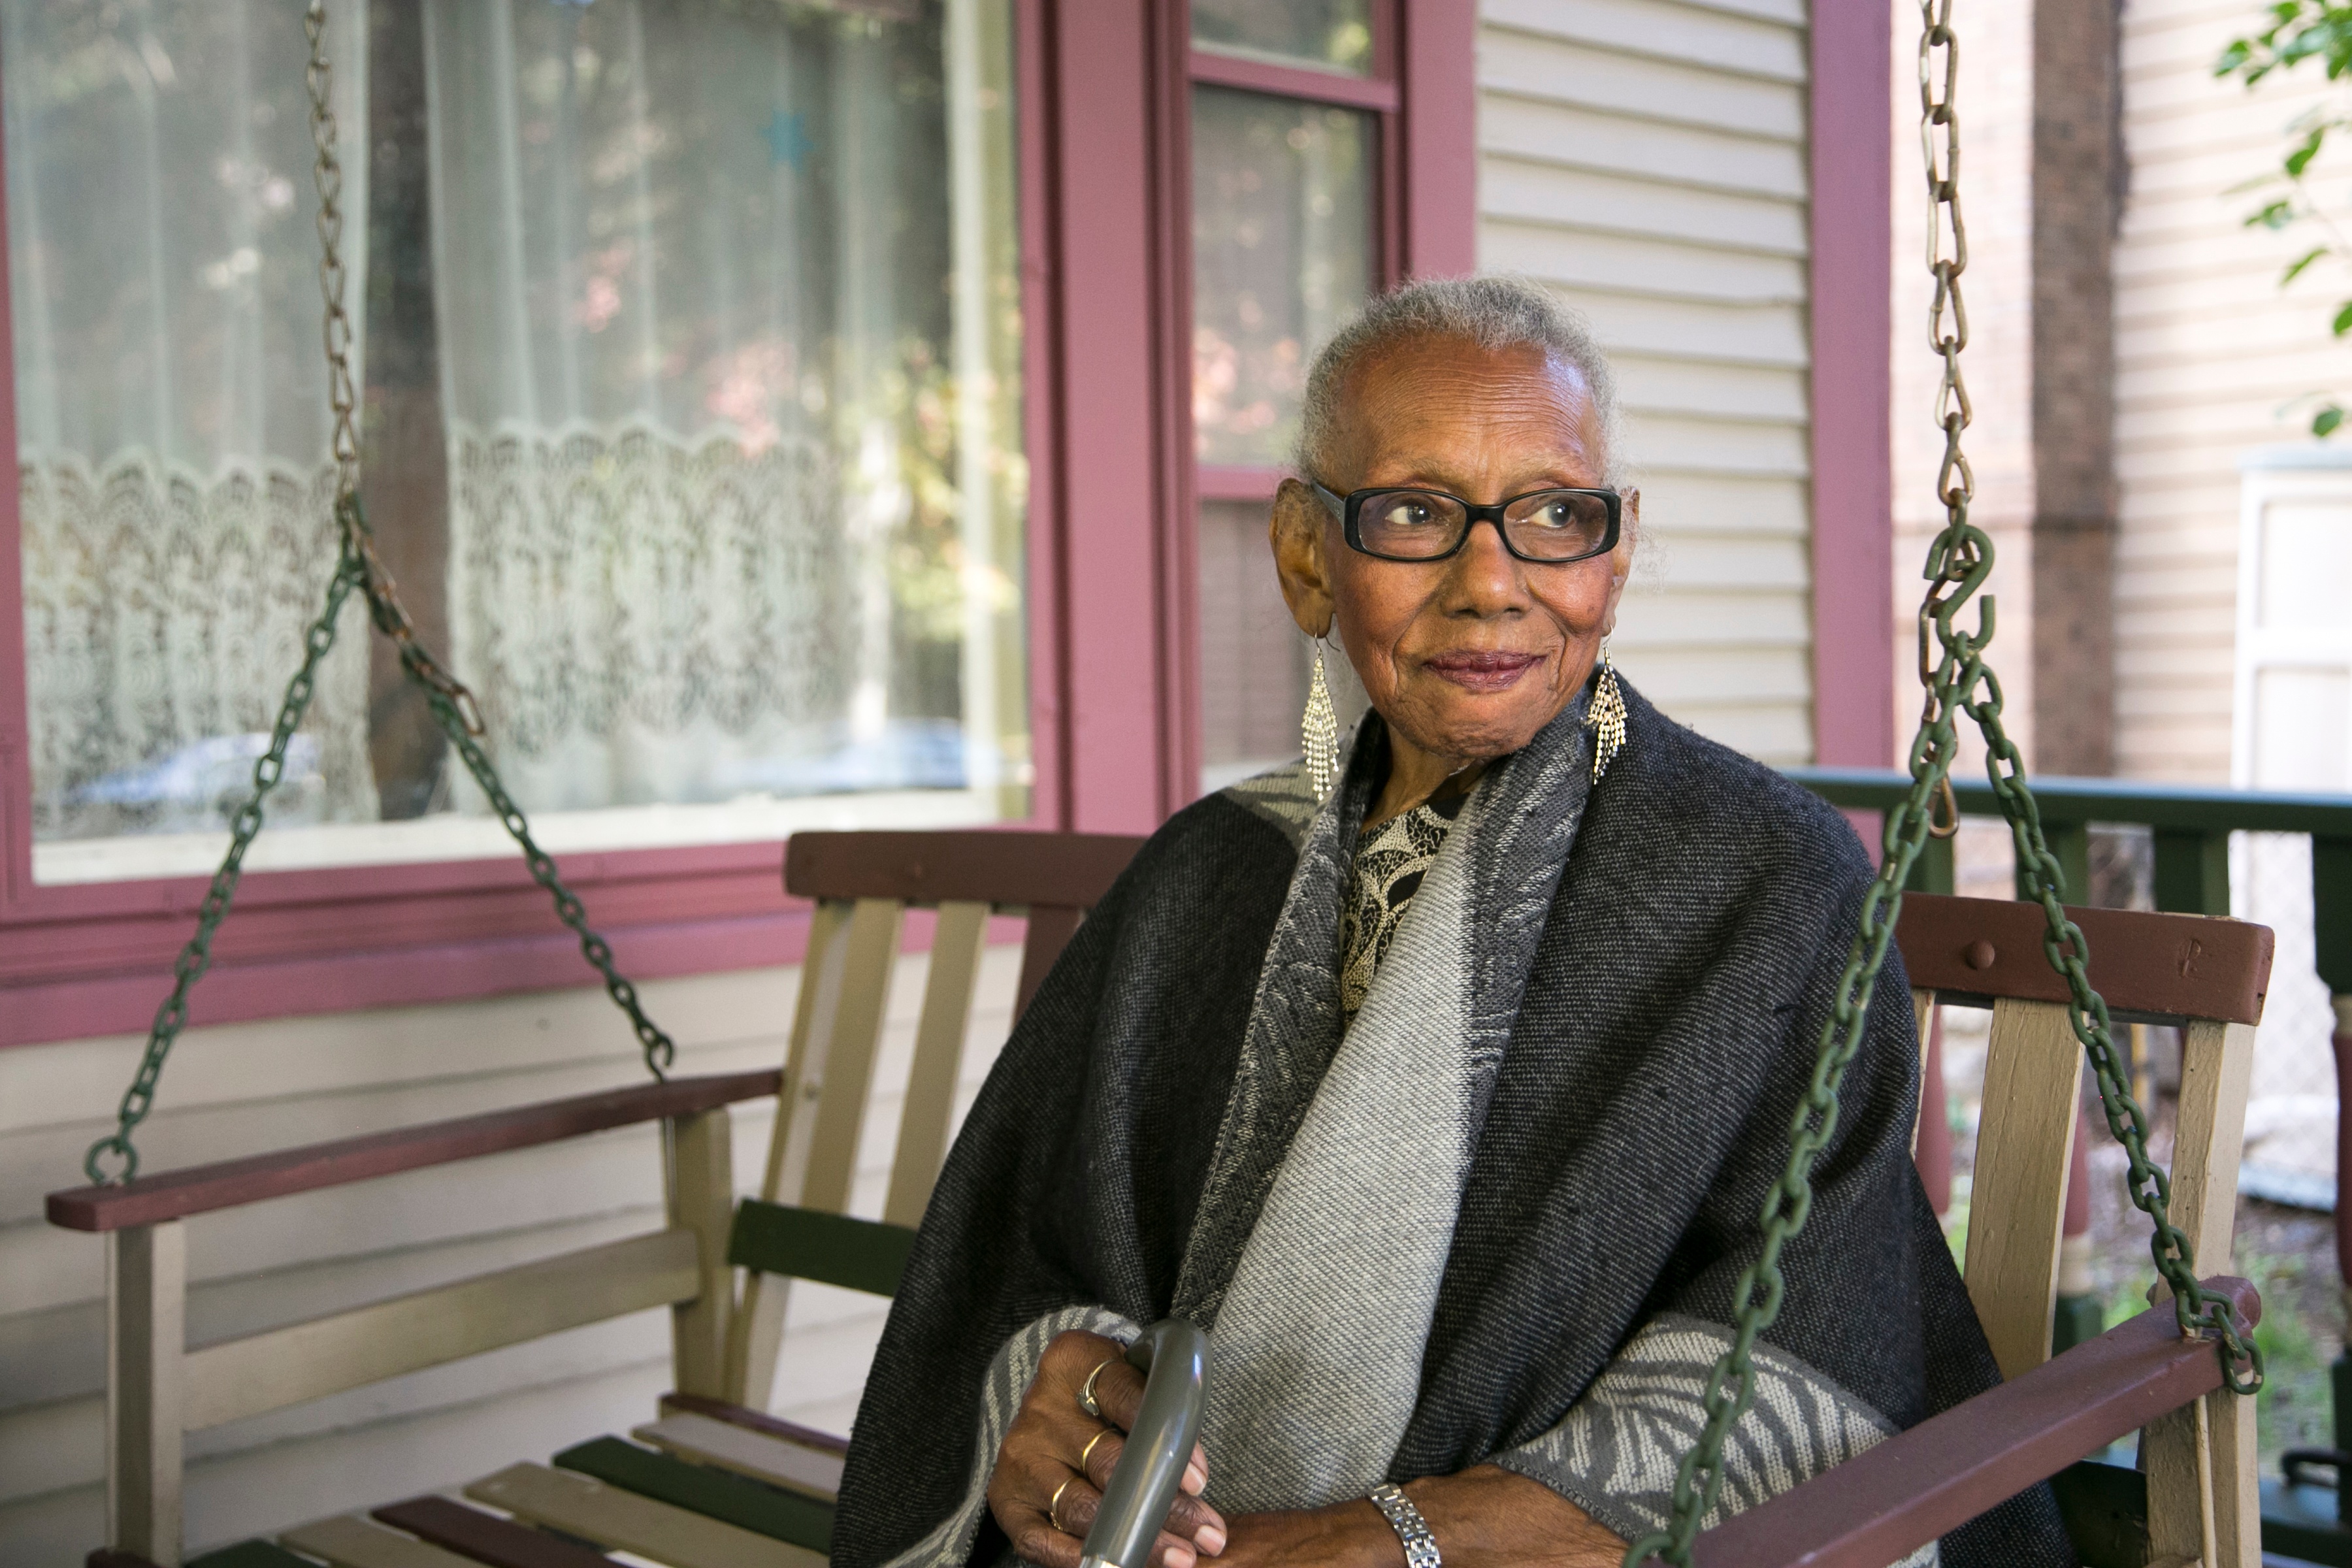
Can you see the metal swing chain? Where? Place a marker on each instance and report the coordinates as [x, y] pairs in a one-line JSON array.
[[357, 566], [1959, 562]]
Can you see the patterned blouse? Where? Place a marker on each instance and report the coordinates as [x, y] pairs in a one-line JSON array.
[[1390, 860]]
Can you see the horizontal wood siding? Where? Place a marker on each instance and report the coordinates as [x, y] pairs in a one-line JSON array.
[[2211, 353], [249, 1088], [1645, 159]]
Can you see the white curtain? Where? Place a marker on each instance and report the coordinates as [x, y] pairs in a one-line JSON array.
[[696, 283], [172, 407]]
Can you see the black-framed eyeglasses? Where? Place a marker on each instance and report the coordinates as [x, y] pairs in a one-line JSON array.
[[1548, 527]]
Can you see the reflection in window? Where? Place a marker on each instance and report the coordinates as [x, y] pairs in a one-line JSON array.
[[1253, 661], [1282, 255], [1331, 33], [690, 355]]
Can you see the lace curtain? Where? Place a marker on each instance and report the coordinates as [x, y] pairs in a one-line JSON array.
[[171, 410], [696, 282], [724, 297]]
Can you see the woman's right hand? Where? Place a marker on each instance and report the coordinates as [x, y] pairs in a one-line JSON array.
[[1055, 1446]]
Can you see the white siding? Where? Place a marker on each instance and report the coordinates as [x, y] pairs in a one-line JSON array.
[[2210, 353], [245, 1088], [1646, 159]]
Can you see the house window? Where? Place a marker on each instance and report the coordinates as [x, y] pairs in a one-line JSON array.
[[1293, 116], [690, 337]]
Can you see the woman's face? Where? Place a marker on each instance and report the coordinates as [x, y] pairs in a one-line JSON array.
[[1469, 657]]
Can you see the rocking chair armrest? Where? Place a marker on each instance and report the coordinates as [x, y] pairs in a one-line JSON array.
[[1918, 1484], [228, 1183]]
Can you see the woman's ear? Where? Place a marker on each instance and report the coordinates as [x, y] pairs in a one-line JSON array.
[[1297, 530], [1620, 560]]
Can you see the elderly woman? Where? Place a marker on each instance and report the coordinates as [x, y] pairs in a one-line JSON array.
[[1444, 1094]]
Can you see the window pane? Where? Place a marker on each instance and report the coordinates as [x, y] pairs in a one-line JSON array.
[[691, 358], [1253, 659], [1332, 33], [1282, 255]]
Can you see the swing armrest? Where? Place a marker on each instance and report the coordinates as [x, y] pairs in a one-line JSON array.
[[228, 1183], [1919, 1484]]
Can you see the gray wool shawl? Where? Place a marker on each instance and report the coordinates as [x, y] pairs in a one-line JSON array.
[[1497, 1219]]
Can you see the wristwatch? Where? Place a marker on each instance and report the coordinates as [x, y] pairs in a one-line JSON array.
[[1420, 1546]]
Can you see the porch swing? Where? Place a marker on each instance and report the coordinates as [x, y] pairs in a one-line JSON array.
[[713, 1482]]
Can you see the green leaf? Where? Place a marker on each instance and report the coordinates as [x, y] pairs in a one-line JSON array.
[[2305, 259], [2300, 159], [2344, 319], [2275, 215], [2325, 422]]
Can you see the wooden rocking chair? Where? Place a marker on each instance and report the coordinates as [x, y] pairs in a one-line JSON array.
[[713, 1483]]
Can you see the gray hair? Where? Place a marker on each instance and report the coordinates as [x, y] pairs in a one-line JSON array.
[[1493, 312]]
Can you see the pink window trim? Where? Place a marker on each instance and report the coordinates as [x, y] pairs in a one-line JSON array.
[[1853, 459], [1105, 224]]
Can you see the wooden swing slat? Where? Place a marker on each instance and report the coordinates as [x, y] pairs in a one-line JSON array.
[[719, 1494], [707, 1441], [1917, 1485], [2033, 1075], [613, 1518], [352, 1542], [500, 1543], [2201, 1461], [284, 1366], [250, 1555], [735, 1414], [830, 1248], [956, 944], [227, 1183], [1068, 870], [701, 1200]]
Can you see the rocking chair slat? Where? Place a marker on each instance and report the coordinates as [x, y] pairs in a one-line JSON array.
[[1895, 1497]]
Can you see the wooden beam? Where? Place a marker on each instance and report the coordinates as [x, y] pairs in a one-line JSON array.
[[146, 1388], [228, 1183], [2025, 1141], [796, 1466], [699, 1179], [2163, 969], [383, 1339], [1891, 1499], [735, 1414], [500, 1543]]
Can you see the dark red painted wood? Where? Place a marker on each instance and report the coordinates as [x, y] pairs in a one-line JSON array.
[[1067, 869], [1911, 1489], [1254, 75], [1439, 169], [108, 1557], [227, 1183], [2156, 966], [486, 1538], [756, 1421], [1853, 467]]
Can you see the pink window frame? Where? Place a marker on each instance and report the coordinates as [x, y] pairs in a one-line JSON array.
[[1113, 717]]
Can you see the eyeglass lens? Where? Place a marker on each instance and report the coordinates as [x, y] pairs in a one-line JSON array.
[[1549, 525]]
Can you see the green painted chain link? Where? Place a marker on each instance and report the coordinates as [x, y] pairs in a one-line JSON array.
[[1957, 681], [357, 566]]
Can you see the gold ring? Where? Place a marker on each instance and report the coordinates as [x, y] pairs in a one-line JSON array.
[[1086, 1401], [1089, 1451], [1053, 1509]]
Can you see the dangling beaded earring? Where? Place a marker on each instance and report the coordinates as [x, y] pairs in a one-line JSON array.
[[1318, 731], [1606, 717]]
